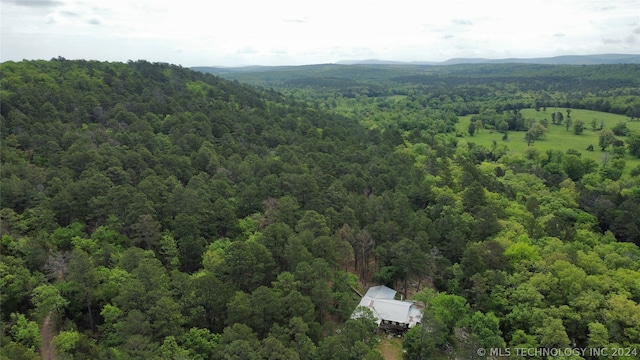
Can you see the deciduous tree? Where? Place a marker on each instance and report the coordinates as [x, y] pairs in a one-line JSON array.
[[606, 138]]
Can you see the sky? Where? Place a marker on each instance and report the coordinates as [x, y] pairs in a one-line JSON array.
[[275, 32]]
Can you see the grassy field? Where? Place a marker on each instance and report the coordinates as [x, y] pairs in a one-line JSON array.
[[557, 136], [390, 348]]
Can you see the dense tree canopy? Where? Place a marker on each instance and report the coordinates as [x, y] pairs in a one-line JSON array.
[[150, 211]]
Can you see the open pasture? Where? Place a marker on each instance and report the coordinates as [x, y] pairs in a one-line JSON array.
[[557, 136]]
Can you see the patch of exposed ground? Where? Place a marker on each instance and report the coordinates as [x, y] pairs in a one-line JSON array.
[[390, 348], [47, 332]]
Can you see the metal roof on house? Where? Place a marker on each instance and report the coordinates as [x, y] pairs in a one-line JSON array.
[[381, 301], [380, 292]]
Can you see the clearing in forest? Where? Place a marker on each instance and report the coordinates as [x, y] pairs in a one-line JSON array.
[[557, 136]]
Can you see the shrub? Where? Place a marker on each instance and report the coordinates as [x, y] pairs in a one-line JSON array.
[[621, 129]]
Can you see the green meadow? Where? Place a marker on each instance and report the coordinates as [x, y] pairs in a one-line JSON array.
[[557, 136]]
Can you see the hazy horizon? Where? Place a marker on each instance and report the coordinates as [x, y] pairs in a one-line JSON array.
[[244, 33]]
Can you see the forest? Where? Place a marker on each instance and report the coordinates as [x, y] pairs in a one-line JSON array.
[[153, 211]]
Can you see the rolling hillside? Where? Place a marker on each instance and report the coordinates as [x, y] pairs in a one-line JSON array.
[[152, 211]]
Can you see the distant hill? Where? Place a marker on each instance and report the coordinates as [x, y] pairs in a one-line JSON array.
[[239, 69], [602, 59], [372, 75]]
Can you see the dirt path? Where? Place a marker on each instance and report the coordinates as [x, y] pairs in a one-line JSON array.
[[391, 349], [48, 331]]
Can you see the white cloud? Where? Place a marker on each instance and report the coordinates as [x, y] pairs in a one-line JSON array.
[[34, 3], [296, 32]]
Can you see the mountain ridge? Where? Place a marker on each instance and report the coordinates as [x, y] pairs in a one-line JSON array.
[[596, 59]]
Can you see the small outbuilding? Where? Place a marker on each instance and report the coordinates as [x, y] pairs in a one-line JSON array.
[[391, 314]]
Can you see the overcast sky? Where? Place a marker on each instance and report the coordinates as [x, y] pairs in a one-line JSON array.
[[273, 32]]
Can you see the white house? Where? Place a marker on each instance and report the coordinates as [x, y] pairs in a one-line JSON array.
[[390, 314]]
